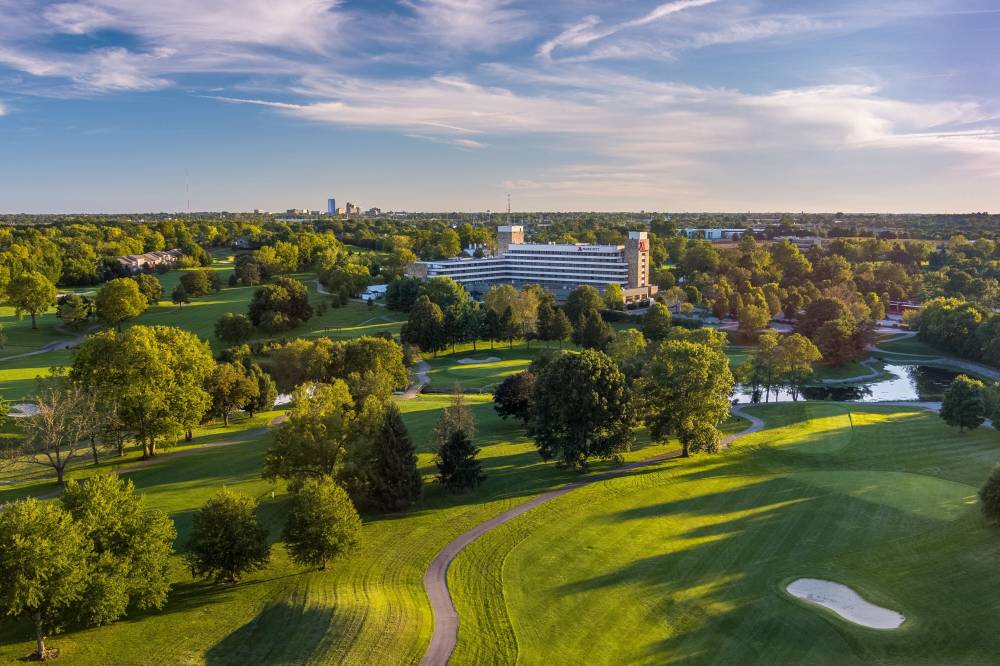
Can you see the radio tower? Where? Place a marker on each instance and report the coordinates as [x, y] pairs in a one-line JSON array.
[[508, 208]]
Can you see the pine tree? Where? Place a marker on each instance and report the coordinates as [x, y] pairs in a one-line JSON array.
[[393, 480], [457, 464]]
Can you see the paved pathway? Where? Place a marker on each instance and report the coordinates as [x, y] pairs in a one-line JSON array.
[[58, 345], [445, 634], [423, 379]]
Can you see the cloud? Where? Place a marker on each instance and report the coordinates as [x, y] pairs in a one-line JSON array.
[[102, 70], [470, 24], [589, 28], [3, 109]]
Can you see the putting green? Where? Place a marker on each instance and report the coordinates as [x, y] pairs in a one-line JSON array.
[[687, 562]]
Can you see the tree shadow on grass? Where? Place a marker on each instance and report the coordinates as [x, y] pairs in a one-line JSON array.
[[282, 633]]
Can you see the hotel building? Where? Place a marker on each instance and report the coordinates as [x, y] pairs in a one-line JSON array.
[[559, 267]]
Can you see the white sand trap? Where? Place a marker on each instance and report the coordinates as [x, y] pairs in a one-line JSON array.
[[22, 409], [470, 361], [845, 602]]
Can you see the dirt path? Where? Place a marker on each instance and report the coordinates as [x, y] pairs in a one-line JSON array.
[[445, 634]]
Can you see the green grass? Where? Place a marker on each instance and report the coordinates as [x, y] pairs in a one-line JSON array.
[[18, 376], [686, 563], [446, 371], [369, 608], [910, 346]]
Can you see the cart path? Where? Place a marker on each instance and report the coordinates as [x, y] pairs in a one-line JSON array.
[[445, 634]]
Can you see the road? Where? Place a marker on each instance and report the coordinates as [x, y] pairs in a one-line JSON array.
[[445, 634]]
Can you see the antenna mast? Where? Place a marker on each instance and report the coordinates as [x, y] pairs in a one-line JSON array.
[[508, 208], [187, 189]]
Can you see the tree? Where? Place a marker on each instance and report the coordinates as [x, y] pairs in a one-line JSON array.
[[227, 539], [31, 292], [614, 297], [795, 356], [350, 278], [280, 306], [752, 319], [322, 523], [119, 300], [656, 323], [835, 340], [628, 349], [445, 292], [513, 396], [592, 331], [392, 481], [155, 376], [150, 287], [201, 282], [179, 296], [65, 418], [457, 463], [456, 417], [425, 327], [989, 496], [963, 403], [507, 326], [267, 391], [582, 300], [313, 441], [74, 310], [686, 388], [552, 325], [581, 407], [42, 555], [230, 388], [129, 558], [233, 328]]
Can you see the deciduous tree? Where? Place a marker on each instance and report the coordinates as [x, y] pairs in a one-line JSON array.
[[43, 555], [513, 396], [230, 387], [963, 403], [581, 407], [322, 523], [686, 388], [31, 292], [227, 540], [118, 301]]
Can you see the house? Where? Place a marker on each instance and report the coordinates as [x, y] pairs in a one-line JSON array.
[[137, 263], [374, 291]]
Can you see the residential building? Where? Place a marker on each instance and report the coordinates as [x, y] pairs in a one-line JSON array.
[[137, 263], [559, 267]]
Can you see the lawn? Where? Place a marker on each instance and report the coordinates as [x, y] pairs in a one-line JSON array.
[[446, 370], [686, 562], [18, 376], [911, 346], [368, 608]]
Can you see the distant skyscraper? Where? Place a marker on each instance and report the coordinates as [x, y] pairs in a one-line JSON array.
[[331, 206]]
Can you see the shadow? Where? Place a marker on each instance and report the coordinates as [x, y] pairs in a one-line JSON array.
[[282, 633]]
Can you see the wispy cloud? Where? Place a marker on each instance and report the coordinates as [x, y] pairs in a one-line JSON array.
[[590, 28]]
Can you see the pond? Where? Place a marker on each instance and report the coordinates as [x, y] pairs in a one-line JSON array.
[[908, 382]]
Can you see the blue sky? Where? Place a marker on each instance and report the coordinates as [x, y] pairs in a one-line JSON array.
[[685, 105]]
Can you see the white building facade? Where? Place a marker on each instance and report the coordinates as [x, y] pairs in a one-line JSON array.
[[554, 266]]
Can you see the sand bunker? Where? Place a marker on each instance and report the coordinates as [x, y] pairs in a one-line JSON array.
[[22, 409], [845, 602], [470, 361]]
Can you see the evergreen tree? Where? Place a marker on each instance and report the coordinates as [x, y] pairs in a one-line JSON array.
[[492, 326], [593, 332], [508, 329], [393, 480], [963, 403], [458, 467]]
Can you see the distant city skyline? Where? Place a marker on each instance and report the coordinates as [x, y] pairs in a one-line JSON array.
[[448, 105]]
